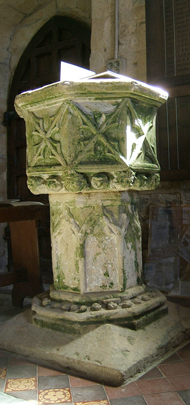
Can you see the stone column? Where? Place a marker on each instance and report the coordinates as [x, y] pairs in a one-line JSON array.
[[96, 243], [91, 146], [102, 34]]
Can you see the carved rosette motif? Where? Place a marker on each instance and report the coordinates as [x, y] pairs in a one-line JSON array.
[[92, 146]]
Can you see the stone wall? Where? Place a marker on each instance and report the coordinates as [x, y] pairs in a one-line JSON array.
[[132, 36]]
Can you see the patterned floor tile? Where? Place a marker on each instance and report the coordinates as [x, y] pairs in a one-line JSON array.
[[185, 395], [54, 396], [3, 372], [55, 381], [104, 402], [22, 371], [85, 394], [166, 398], [124, 391], [21, 384]]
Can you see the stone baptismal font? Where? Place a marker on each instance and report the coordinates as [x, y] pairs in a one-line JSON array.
[[91, 146]]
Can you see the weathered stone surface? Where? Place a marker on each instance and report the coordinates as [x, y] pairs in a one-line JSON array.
[[145, 298], [27, 29], [127, 304], [96, 307], [102, 37], [82, 145], [83, 308], [130, 24], [4, 80], [135, 62], [109, 354], [74, 308], [22, 19], [132, 36], [9, 17], [46, 302], [25, 7], [111, 305], [106, 8], [74, 8], [97, 61], [133, 313], [138, 2], [87, 142], [66, 307], [89, 245]]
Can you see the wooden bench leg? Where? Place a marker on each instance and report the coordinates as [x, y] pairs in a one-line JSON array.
[[25, 253]]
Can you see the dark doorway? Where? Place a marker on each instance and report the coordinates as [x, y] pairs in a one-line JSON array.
[[60, 39]]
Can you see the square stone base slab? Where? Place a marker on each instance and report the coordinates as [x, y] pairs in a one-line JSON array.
[[110, 354]]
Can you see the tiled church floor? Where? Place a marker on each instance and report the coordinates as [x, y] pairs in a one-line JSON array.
[[166, 384], [169, 383]]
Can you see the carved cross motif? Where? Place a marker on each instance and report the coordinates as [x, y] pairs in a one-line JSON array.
[[98, 137], [46, 139]]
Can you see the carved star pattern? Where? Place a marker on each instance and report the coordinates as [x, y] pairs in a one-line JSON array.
[[46, 137], [97, 135], [141, 132], [106, 133]]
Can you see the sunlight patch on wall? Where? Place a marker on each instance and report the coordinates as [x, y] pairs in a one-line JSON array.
[[73, 73]]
